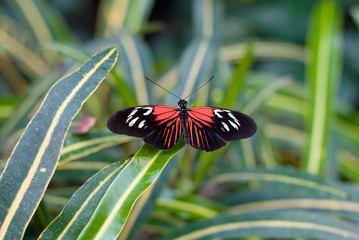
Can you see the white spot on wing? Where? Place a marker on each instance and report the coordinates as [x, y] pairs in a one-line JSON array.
[[233, 125], [217, 111], [234, 118], [133, 121], [131, 114], [142, 123], [149, 110], [225, 126]]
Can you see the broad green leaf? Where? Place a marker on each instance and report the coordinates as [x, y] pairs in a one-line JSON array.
[[113, 211], [323, 73], [272, 224], [34, 158], [78, 211]]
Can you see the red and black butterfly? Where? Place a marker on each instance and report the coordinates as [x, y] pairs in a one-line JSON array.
[[204, 128]]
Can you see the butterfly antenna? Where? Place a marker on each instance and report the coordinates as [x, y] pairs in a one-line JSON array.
[[162, 87], [200, 87]]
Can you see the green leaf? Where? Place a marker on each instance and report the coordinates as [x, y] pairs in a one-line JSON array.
[[34, 158], [78, 211], [136, 63], [290, 177], [95, 143], [196, 64], [206, 18], [354, 11], [24, 110], [264, 50], [48, 25], [192, 207], [117, 14], [272, 224], [238, 78], [346, 209], [142, 210], [115, 207], [20, 48], [323, 70], [137, 14]]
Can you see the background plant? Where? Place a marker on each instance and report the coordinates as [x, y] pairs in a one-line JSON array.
[[291, 65]]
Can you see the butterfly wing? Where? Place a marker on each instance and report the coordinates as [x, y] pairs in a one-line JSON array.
[[210, 128], [157, 125]]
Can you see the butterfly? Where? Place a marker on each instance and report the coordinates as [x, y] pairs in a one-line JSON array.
[[204, 128]]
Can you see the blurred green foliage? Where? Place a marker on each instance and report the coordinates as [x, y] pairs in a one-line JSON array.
[[291, 65]]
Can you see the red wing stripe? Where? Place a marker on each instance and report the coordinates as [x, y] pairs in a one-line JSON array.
[[165, 135], [203, 119], [197, 131], [171, 135], [205, 135], [190, 128], [168, 136], [200, 136], [176, 128]]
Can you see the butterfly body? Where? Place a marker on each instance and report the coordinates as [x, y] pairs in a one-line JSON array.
[[204, 128]]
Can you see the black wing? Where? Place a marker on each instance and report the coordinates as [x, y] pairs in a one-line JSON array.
[[157, 125]]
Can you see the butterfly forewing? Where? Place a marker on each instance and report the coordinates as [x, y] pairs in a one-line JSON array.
[[158, 125], [209, 128]]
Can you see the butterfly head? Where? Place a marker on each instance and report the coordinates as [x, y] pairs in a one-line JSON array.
[[182, 104]]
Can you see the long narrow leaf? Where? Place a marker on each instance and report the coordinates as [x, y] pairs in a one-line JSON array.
[[25, 108], [114, 209], [136, 63], [237, 80], [285, 176], [323, 75], [81, 206], [118, 14], [272, 224], [34, 158]]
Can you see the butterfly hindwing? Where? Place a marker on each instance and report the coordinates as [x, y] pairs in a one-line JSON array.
[[210, 128], [158, 125]]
